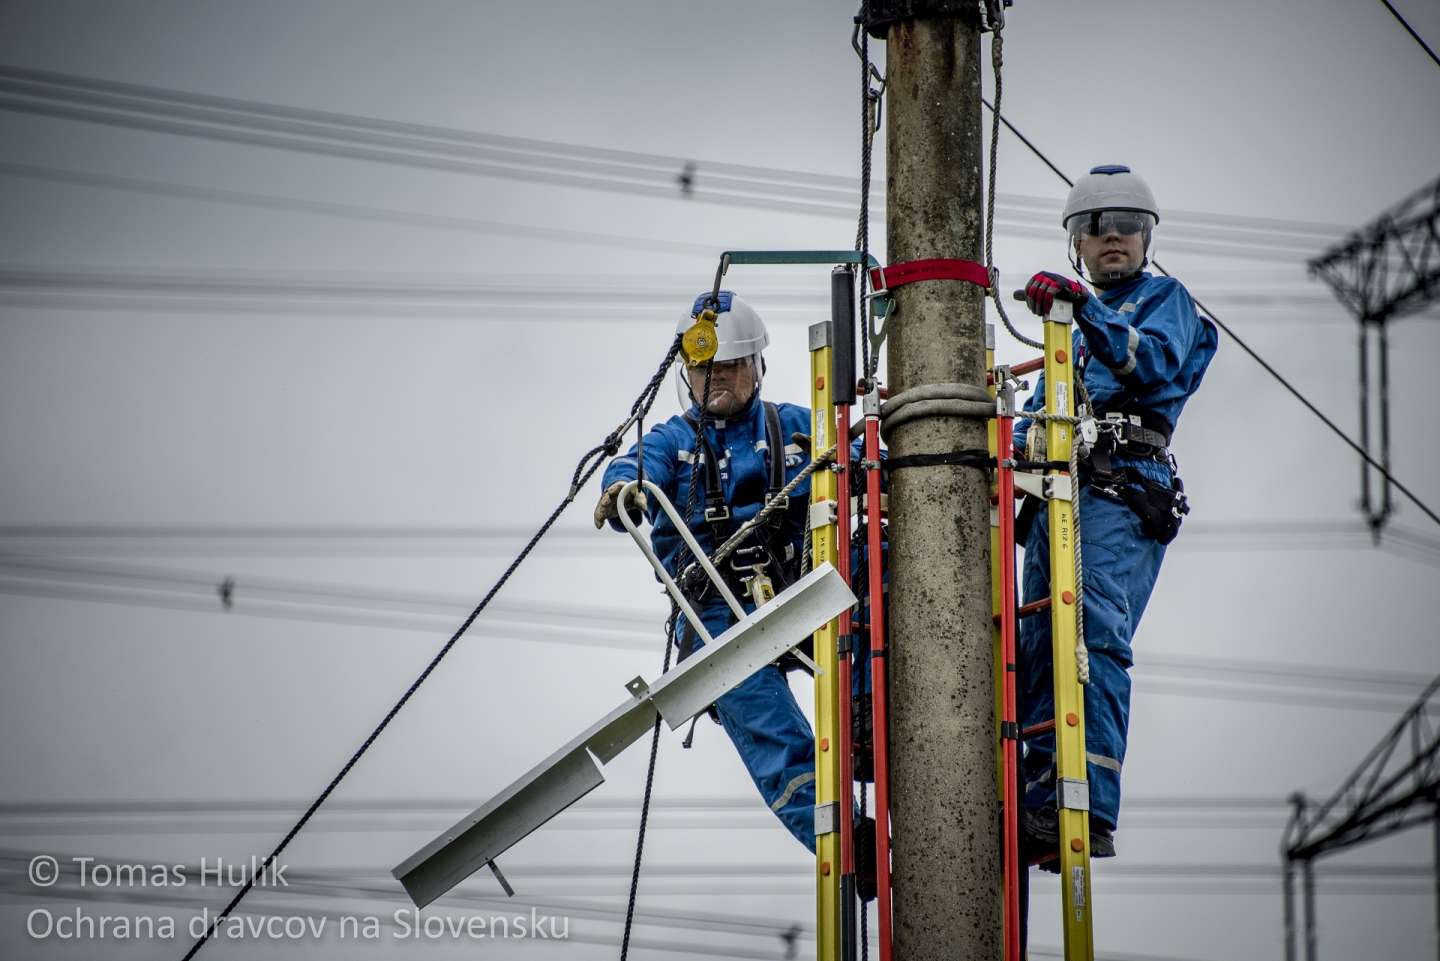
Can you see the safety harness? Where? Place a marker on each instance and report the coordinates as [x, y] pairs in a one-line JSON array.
[[763, 566], [1131, 432], [1141, 435]]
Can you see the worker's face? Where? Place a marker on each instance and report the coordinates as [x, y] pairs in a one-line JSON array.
[[1107, 248], [732, 384]]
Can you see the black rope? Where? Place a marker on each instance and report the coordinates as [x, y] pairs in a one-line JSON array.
[[584, 470], [671, 626], [1418, 39], [645, 802], [1240, 342], [997, 60]]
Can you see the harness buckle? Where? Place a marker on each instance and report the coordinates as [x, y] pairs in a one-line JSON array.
[[717, 513]]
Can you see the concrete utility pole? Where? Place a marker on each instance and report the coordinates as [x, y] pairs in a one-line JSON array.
[[942, 761]]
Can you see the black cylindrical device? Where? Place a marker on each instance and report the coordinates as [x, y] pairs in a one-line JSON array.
[[842, 334]]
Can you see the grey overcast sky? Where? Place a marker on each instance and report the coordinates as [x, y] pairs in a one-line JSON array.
[[253, 341]]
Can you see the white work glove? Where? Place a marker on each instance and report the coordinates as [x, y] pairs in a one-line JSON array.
[[608, 506]]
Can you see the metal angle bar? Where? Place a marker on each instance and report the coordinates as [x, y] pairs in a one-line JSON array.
[[575, 769], [750, 644], [1364, 803]]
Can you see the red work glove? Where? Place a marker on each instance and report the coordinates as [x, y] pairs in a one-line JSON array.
[[1045, 288]]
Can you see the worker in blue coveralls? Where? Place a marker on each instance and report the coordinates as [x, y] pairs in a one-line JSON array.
[[748, 453], [1140, 351]]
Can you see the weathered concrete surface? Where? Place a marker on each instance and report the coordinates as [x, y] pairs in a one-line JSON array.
[[944, 808]]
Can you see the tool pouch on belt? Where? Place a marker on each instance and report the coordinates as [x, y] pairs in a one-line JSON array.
[[1160, 507]]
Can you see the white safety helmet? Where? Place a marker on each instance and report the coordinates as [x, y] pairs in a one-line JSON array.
[[740, 330], [1111, 196]]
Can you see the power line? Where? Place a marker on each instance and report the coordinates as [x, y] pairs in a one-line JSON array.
[[537, 297], [620, 629], [588, 464], [366, 138], [1414, 499], [381, 540], [1411, 30], [350, 211], [222, 110]]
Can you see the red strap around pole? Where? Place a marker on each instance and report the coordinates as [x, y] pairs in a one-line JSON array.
[[936, 268]]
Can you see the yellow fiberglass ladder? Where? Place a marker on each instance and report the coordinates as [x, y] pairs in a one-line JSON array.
[[1055, 481]]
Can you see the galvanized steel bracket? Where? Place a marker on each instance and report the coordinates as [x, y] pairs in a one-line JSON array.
[[574, 770]]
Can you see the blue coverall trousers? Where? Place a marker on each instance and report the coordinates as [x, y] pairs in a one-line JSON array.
[[1120, 566], [772, 735]]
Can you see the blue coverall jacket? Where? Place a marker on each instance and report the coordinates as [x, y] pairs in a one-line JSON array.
[[761, 717], [1143, 346]]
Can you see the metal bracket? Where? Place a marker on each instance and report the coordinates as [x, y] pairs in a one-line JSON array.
[[575, 769], [1061, 312], [1004, 391], [495, 870], [820, 335], [1074, 794], [1050, 487], [822, 514], [1032, 484], [827, 818]]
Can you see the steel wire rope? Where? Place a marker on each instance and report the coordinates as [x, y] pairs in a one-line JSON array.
[[588, 464], [1255, 356], [869, 103]]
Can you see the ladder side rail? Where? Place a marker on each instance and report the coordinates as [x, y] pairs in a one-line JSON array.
[[1072, 786], [1003, 595], [831, 797], [879, 702]]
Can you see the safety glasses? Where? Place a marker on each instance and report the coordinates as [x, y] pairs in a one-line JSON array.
[[1126, 223]]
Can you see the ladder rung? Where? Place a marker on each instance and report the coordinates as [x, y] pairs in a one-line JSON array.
[[1044, 727], [1037, 860], [1026, 610], [1034, 607], [1027, 366]]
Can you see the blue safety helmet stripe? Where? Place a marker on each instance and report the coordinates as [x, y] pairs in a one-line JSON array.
[[721, 304]]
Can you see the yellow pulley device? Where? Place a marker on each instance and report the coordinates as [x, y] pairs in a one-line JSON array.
[[701, 341]]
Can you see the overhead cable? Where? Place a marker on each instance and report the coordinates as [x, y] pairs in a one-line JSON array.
[[1411, 30], [1254, 355], [586, 468]]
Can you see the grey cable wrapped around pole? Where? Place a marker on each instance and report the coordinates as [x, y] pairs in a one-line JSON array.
[[935, 400]]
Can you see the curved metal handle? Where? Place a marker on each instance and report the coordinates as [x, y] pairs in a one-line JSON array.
[[694, 547]]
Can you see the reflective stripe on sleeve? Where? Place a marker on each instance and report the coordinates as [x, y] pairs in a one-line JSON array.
[[1130, 352], [796, 783]]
